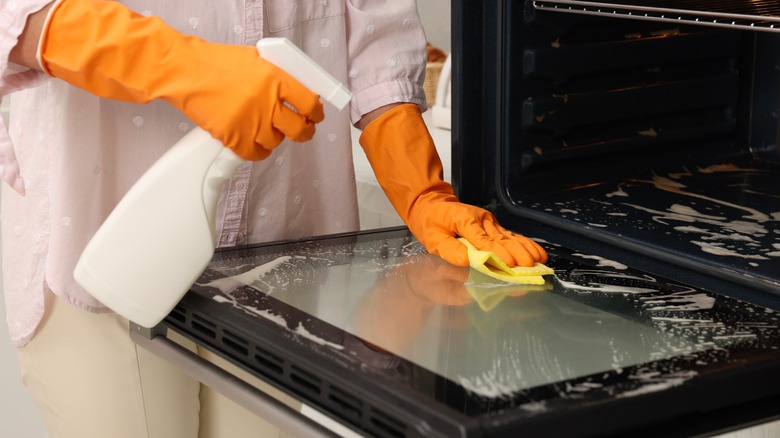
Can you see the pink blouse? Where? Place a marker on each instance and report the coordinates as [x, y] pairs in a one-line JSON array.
[[68, 157]]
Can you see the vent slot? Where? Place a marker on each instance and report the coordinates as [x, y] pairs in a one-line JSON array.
[[267, 362], [348, 406], [234, 342], [179, 315], [386, 426], [307, 382], [204, 327]]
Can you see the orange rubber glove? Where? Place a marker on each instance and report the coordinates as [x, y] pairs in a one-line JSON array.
[[392, 314], [229, 91], [403, 156]]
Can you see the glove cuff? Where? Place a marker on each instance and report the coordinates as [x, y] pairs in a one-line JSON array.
[[44, 33], [99, 46], [404, 158]]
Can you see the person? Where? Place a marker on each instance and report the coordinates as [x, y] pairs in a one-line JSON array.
[[100, 89]]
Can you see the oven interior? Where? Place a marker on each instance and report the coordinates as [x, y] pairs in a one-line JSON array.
[[651, 126]]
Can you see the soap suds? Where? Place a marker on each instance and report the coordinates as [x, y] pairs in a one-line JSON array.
[[719, 250], [654, 382], [301, 330], [603, 261], [607, 288], [686, 300], [228, 284]]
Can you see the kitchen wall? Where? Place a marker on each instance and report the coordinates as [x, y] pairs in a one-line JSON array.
[[435, 15]]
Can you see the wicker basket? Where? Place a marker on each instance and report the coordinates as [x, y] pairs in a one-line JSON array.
[[432, 72]]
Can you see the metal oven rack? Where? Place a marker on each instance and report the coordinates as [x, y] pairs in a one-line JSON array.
[[761, 15]]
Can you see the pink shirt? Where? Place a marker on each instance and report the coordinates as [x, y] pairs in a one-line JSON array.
[[68, 157]]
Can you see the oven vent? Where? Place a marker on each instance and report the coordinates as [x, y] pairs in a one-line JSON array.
[[272, 365], [761, 15]]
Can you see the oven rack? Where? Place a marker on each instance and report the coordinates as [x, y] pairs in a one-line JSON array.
[[760, 15]]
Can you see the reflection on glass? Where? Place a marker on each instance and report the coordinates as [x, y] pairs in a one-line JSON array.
[[491, 338]]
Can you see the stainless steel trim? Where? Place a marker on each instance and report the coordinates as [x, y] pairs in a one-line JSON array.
[[256, 401]]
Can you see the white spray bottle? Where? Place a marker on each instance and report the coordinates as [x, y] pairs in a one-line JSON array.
[[161, 236]]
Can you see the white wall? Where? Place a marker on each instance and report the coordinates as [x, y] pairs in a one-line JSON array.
[[435, 15]]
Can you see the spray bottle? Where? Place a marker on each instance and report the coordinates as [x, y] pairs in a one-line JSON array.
[[161, 236]]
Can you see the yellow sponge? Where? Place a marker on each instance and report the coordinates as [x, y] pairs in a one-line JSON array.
[[489, 292], [489, 264]]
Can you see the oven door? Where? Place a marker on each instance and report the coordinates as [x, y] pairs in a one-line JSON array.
[[374, 332]]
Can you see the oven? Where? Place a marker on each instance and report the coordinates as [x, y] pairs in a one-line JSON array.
[[638, 144]]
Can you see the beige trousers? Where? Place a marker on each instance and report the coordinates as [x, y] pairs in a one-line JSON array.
[[88, 379]]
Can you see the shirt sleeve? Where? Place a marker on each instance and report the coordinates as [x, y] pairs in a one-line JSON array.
[[13, 17], [387, 55]]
